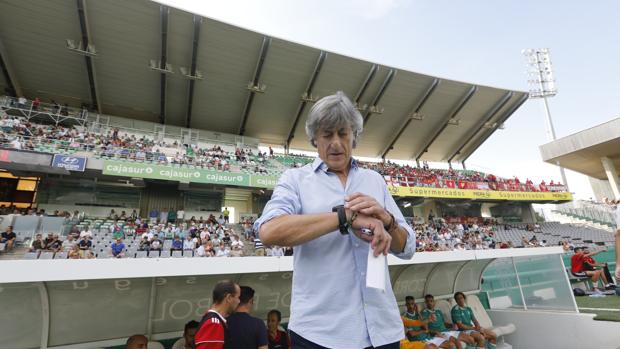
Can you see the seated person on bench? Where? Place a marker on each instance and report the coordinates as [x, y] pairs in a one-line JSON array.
[[416, 329], [464, 318], [437, 325], [578, 269], [590, 264]]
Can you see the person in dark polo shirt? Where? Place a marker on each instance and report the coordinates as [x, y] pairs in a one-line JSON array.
[[246, 331]]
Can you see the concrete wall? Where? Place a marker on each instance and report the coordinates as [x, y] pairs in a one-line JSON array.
[[537, 329]]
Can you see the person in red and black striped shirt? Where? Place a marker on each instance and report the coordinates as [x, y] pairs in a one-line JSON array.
[[213, 332]]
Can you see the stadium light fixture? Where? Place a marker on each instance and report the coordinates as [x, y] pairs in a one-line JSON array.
[[156, 65], [258, 88], [361, 108], [542, 85], [186, 73], [454, 122], [406, 204], [310, 98], [376, 110], [416, 116], [90, 50]]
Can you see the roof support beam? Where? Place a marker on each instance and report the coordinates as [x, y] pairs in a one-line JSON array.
[[476, 128], [9, 76], [90, 70], [257, 71], [429, 91], [375, 101], [369, 77], [190, 94], [308, 92], [445, 122], [164, 11], [489, 132]]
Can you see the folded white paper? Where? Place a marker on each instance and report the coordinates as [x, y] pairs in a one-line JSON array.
[[375, 271]]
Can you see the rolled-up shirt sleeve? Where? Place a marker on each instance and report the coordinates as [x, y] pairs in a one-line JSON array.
[[390, 206], [284, 201]]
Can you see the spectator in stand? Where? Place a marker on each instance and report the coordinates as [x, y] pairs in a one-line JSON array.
[[86, 233], [246, 331], [163, 216], [38, 243], [74, 252], [8, 237], [187, 341], [277, 339], [156, 244], [153, 214], [54, 245], [189, 243], [259, 248], [118, 248], [213, 332], [137, 341], [177, 244], [172, 216], [223, 251], [85, 244], [236, 247], [464, 319], [69, 243], [180, 215], [203, 250]]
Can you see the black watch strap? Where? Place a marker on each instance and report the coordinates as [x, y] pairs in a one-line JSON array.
[[343, 226]]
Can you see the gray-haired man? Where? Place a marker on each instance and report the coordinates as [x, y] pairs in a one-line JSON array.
[[313, 208]]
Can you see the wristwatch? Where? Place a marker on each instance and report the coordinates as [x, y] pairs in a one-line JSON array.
[[343, 225]]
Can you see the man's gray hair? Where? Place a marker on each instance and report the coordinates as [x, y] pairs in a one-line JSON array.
[[332, 112]]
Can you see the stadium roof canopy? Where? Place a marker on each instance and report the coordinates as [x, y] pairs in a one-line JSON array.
[[150, 62], [583, 151]]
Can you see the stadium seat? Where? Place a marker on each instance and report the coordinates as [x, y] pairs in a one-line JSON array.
[[485, 321], [46, 255], [31, 255], [577, 280], [141, 254], [2, 246], [153, 254], [60, 255], [165, 254], [155, 345], [178, 254]]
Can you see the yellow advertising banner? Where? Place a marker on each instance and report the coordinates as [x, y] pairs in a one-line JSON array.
[[448, 193]]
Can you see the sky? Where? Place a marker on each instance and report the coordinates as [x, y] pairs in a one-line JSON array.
[[474, 41]]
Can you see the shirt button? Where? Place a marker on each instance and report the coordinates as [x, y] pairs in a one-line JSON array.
[[357, 245]]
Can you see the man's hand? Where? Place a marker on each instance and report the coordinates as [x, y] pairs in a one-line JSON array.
[[367, 205], [380, 241]]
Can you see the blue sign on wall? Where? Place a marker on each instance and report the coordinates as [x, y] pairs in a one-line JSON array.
[[70, 163]]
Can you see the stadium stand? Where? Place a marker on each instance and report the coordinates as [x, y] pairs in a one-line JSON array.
[[22, 134]]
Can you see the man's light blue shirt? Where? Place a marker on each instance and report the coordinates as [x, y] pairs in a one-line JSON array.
[[330, 304]]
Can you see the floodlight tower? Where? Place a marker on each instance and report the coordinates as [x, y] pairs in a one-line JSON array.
[[542, 85]]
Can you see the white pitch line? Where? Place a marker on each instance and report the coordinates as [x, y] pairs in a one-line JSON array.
[[602, 309]]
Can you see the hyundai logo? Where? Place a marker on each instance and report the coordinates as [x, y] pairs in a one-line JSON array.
[[70, 161]]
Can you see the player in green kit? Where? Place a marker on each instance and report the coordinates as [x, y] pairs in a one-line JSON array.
[[464, 318], [437, 325], [418, 331]]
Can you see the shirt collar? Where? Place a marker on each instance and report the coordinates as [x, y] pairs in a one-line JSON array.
[[218, 314], [320, 164]]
